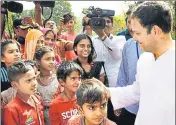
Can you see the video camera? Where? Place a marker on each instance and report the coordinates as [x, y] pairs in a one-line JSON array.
[[13, 6], [96, 15]]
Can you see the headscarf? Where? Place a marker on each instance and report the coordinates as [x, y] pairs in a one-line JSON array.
[[30, 43], [44, 30]]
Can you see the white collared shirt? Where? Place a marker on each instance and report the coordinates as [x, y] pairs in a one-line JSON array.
[[110, 51]]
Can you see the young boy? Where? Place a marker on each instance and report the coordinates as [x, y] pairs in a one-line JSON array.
[[92, 98], [10, 93], [65, 105], [10, 53], [25, 108]]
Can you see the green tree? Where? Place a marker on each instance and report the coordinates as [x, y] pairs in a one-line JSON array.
[[26, 13], [9, 22], [119, 24], [173, 7], [78, 25], [61, 7]]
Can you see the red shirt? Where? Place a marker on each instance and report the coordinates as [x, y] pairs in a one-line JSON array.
[[60, 110], [69, 54], [18, 112]]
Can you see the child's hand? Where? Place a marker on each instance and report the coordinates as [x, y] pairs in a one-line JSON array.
[[61, 24], [28, 20]]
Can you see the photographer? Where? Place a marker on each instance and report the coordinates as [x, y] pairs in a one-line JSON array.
[[109, 49]]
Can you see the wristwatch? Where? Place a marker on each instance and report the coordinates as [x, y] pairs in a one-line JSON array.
[[103, 37]]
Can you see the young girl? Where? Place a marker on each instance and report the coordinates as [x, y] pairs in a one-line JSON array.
[[10, 53], [47, 80], [84, 49], [50, 40]]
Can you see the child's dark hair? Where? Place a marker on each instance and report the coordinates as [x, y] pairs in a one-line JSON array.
[[67, 17], [42, 51], [45, 21], [91, 91], [6, 42], [48, 31], [66, 68], [30, 62], [17, 69], [111, 18], [81, 37]]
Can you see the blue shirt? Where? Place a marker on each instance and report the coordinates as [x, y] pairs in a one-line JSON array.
[[127, 72]]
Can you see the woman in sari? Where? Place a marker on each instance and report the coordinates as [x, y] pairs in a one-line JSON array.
[[34, 40]]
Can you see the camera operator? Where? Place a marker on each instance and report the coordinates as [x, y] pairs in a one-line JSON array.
[[109, 49]]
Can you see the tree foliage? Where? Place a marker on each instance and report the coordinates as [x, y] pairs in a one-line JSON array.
[[173, 8], [61, 7], [119, 23]]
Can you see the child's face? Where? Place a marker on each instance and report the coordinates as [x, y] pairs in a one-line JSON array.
[[94, 113], [72, 82], [70, 24], [27, 83], [11, 54], [48, 61]]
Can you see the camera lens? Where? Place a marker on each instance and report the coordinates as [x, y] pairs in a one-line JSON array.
[[97, 22]]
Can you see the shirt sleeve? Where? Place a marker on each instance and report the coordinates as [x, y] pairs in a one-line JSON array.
[[10, 116], [125, 96], [54, 115], [113, 46]]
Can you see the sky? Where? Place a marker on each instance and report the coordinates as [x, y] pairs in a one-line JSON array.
[[77, 6]]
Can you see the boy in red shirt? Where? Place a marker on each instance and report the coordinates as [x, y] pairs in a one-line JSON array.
[[65, 104], [92, 98], [25, 108]]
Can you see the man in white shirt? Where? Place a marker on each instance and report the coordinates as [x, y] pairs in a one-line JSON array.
[[109, 49], [154, 87]]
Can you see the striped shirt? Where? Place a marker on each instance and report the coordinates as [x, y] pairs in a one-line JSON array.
[[5, 84]]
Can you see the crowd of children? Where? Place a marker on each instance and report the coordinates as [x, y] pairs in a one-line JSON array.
[[58, 61], [50, 77], [42, 93]]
